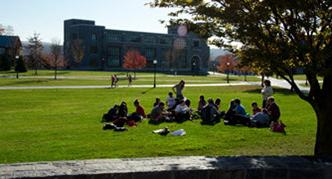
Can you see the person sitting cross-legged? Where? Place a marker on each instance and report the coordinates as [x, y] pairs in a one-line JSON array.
[[236, 114], [272, 109], [139, 114], [159, 114], [182, 112], [260, 119], [201, 104], [123, 114], [255, 108], [210, 114]]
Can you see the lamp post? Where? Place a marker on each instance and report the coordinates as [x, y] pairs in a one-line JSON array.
[[228, 71], [155, 69], [16, 67], [103, 64], [194, 68]]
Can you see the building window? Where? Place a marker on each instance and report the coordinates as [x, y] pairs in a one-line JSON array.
[[74, 36], [135, 38], [150, 53], [196, 43], [149, 39], [113, 56], [93, 37], [114, 37], [164, 41], [93, 49]]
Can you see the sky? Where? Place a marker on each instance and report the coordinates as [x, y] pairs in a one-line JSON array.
[[46, 16]]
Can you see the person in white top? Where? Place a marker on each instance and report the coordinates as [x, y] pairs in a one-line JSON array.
[[182, 112], [267, 91], [170, 101]]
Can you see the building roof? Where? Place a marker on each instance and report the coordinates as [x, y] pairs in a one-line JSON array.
[[9, 41]]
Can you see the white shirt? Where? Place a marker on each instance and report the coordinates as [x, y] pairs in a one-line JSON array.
[[170, 102], [267, 91], [181, 108]]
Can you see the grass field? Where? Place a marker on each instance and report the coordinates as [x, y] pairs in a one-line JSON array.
[[64, 124], [45, 78]]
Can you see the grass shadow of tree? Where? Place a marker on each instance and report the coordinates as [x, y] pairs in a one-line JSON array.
[[146, 91], [39, 81]]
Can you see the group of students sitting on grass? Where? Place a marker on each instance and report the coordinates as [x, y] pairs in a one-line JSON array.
[[179, 110]]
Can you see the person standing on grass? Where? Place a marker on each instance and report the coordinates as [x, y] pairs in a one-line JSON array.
[[178, 88], [130, 80], [267, 91], [116, 79], [113, 81]]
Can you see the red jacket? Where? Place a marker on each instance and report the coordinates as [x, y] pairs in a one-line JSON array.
[[140, 111]]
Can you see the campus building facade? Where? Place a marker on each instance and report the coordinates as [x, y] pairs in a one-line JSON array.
[[101, 48]]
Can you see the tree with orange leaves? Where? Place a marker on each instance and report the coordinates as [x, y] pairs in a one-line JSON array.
[[227, 63], [134, 60]]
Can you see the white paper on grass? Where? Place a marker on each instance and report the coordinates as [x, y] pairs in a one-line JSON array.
[[180, 132]]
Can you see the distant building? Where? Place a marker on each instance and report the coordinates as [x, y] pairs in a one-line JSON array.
[[10, 45], [105, 48]]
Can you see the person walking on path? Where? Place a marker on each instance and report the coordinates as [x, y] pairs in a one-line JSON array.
[[178, 88], [267, 91]]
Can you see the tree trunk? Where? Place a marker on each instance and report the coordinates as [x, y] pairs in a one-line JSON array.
[[323, 146], [323, 110], [262, 80], [55, 72]]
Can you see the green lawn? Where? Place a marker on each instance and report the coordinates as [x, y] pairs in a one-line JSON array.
[[303, 77], [64, 124], [45, 78]]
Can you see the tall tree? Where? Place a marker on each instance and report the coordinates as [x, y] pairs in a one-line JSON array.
[[134, 60], [56, 57], [35, 48], [279, 35], [227, 63], [77, 50]]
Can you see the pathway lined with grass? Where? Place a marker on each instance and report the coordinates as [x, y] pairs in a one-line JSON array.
[[126, 86]]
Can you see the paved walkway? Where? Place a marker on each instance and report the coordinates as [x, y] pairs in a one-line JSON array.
[[275, 82], [124, 86], [175, 167]]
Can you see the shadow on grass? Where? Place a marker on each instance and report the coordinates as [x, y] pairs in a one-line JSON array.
[[275, 90], [146, 91], [19, 82]]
